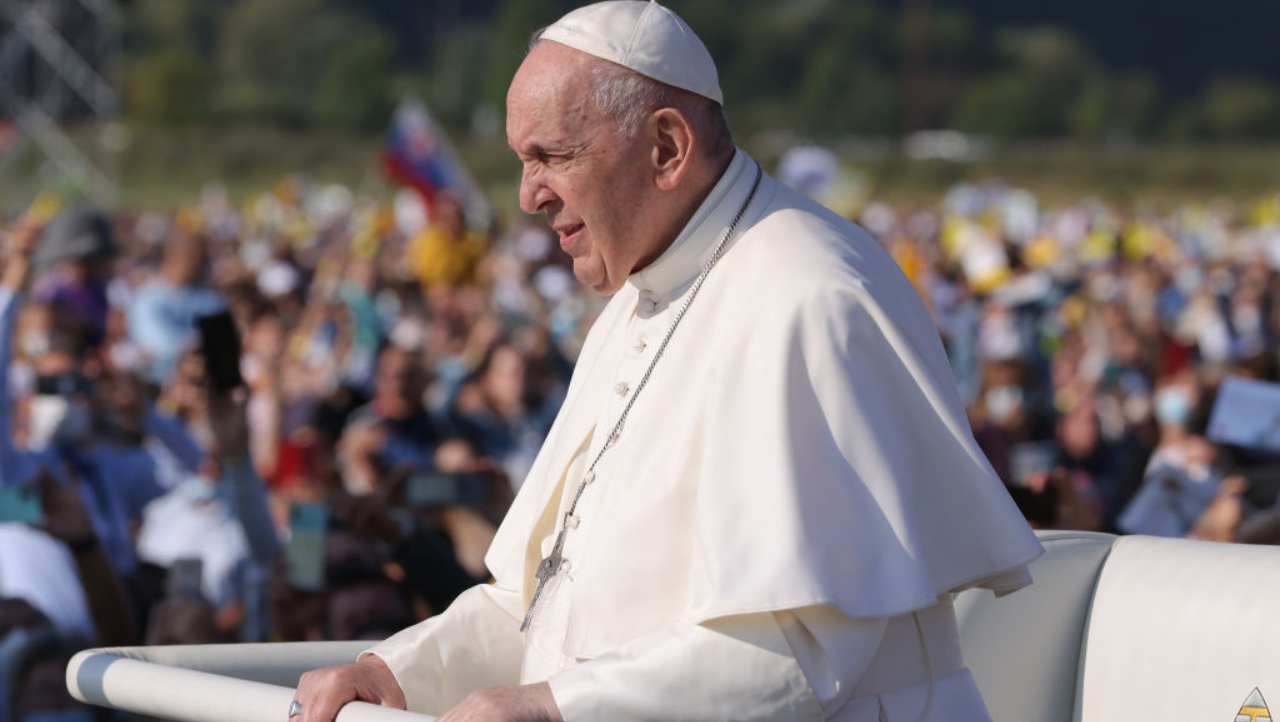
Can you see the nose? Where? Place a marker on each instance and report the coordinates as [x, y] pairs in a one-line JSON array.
[[534, 194]]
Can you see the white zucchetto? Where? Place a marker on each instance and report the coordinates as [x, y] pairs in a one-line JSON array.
[[642, 36]]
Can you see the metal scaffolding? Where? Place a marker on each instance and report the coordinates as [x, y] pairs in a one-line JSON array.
[[55, 69]]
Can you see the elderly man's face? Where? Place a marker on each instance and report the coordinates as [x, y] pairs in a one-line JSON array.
[[592, 184]]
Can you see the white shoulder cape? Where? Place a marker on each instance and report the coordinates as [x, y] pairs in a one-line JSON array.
[[801, 443]]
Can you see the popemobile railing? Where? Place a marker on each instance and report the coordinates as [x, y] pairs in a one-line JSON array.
[[214, 683]]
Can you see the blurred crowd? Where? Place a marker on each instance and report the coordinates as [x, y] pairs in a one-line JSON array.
[[400, 369], [401, 366], [1090, 344]]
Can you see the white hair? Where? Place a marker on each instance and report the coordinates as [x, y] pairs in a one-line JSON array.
[[626, 96]]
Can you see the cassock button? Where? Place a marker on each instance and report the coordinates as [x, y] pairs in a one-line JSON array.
[[640, 346], [622, 389]]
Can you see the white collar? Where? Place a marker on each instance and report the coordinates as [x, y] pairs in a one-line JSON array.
[[661, 280]]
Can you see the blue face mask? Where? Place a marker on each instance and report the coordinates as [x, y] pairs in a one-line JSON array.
[[1173, 407]]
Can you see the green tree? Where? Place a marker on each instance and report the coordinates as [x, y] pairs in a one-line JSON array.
[[841, 95], [513, 27], [354, 87], [153, 25], [1047, 70], [301, 62], [1236, 108], [818, 66], [952, 40], [167, 76], [1125, 106], [1007, 105], [169, 87], [459, 67]]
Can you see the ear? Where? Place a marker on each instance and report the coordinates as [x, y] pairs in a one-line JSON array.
[[673, 147]]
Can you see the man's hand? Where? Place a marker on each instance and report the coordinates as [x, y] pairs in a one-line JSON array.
[[20, 244], [528, 703], [322, 692]]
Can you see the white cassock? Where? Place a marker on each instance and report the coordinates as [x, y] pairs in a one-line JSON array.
[[779, 527]]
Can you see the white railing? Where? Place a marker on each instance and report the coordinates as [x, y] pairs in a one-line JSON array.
[[214, 683]]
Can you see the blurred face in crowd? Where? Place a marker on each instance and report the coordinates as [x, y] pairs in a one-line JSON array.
[[184, 261], [448, 215], [1078, 431], [266, 337], [505, 378], [615, 199], [1126, 347], [123, 402], [1002, 397], [1175, 401], [399, 382]]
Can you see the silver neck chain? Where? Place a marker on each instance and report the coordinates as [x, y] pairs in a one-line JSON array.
[[551, 565], [671, 329]]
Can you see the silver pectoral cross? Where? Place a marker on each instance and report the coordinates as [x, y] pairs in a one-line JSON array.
[[555, 561], [548, 568], [552, 564]]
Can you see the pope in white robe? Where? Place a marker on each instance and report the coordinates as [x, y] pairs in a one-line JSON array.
[[776, 530]]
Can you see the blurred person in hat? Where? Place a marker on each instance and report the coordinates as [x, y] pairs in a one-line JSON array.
[[75, 253], [739, 512]]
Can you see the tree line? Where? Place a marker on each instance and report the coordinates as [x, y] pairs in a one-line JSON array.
[[823, 68]]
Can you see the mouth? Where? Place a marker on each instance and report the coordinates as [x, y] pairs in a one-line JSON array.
[[569, 236]]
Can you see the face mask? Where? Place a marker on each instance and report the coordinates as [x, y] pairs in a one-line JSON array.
[[34, 343], [47, 413], [1002, 402], [1103, 287], [1188, 280], [1142, 303], [1246, 319], [1137, 408], [1173, 407]]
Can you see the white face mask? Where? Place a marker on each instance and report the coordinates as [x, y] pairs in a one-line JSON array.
[[1188, 279], [34, 343], [1173, 406], [1002, 402], [47, 413]]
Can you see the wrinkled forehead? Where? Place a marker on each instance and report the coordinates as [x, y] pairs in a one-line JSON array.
[[549, 97]]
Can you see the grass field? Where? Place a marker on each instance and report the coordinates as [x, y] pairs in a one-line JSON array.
[[167, 168]]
